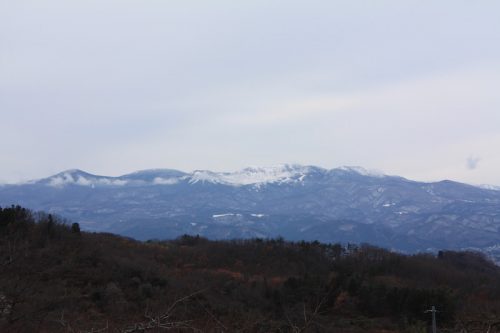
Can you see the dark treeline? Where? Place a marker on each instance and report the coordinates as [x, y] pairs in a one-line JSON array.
[[55, 278]]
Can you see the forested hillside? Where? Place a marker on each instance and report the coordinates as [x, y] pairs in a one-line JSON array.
[[55, 278]]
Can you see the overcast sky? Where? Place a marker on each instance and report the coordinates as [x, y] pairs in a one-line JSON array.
[[112, 86]]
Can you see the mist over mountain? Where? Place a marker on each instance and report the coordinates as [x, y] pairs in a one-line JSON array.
[[347, 204]]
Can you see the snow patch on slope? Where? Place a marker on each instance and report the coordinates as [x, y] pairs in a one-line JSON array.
[[217, 216]]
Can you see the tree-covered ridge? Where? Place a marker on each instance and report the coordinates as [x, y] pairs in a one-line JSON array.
[[55, 278]]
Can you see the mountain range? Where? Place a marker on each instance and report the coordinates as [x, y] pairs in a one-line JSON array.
[[346, 204]]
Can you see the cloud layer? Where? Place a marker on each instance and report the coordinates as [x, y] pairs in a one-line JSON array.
[[114, 86]]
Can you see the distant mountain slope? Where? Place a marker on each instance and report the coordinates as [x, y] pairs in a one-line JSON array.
[[294, 201]]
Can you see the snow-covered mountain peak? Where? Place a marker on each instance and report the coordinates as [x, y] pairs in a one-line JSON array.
[[252, 175], [282, 173], [362, 171]]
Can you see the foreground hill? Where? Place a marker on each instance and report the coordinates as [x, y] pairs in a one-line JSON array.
[[55, 278], [293, 201]]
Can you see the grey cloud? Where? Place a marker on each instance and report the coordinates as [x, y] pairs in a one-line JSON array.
[[472, 162]]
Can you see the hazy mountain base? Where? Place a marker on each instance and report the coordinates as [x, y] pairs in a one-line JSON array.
[[55, 278]]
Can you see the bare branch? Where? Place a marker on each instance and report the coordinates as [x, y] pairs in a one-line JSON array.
[[162, 320]]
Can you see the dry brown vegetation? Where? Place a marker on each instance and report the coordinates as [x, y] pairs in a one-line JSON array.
[[54, 278]]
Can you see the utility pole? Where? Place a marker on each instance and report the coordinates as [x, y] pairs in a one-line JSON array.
[[433, 311]]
